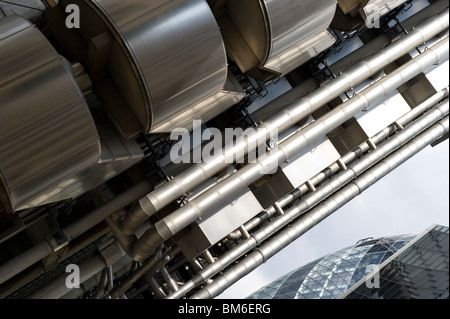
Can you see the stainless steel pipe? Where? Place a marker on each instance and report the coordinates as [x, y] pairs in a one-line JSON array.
[[45, 248], [315, 198], [24, 260], [295, 112], [312, 218], [335, 167], [181, 218]]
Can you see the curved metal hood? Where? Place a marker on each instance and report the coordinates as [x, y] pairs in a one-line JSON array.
[[47, 133], [170, 52]]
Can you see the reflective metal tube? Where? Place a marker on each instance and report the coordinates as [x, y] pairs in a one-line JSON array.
[[320, 194], [170, 51], [47, 133], [187, 214], [45, 248], [319, 213], [335, 167], [23, 261], [58, 288], [198, 173], [355, 170], [99, 214]]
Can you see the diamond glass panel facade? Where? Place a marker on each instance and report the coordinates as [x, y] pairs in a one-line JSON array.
[[419, 271], [331, 276]]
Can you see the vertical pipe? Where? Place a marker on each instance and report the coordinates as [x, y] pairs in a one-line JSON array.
[[278, 208], [244, 232], [155, 286], [169, 280], [101, 285], [109, 278], [209, 258]]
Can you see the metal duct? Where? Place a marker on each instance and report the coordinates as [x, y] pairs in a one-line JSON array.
[[321, 193], [181, 218], [384, 39], [280, 36], [356, 169], [286, 118], [31, 9], [46, 135], [171, 53], [25, 260], [312, 218]]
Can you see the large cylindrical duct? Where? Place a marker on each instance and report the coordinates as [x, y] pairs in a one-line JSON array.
[[170, 52], [280, 36], [47, 133]]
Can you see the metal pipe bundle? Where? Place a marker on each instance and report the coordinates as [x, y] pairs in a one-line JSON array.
[[212, 226], [198, 173], [173, 223], [312, 218], [313, 199]]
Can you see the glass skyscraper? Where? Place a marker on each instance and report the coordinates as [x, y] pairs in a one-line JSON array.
[[407, 266]]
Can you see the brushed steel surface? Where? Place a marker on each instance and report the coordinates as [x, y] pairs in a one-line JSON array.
[[47, 133], [294, 22], [206, 109], [29, 9], [281, 35], [290, 59], [182, 217], [172, 50], [297, 111], [255, 31], [219, 223], [117, 155]]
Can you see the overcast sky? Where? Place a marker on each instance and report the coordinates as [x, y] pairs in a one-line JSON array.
[[407, 201]]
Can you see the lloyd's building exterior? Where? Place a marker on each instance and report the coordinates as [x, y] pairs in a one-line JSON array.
[[108, 167]]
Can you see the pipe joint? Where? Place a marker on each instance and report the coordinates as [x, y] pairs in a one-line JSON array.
[[151, 239]]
